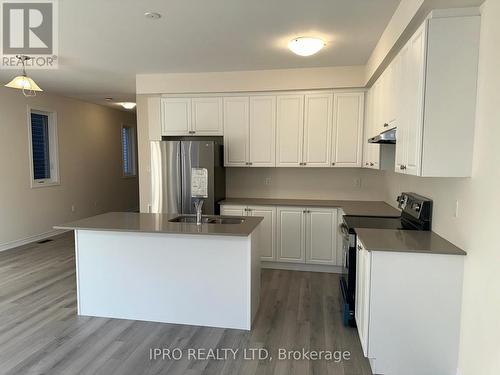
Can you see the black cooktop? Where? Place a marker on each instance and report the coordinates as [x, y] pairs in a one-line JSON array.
[[375, 222]]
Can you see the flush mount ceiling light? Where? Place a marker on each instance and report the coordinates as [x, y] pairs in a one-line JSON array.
[[306, 46], [23, 82], [152, 15], [128, 105]]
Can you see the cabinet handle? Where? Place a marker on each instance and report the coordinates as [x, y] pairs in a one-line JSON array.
[[192, 132], [371, 164], [367, 163], [359, 247], [402, 167], [304, 164], [250, 163], [333, 163], [386, 125]]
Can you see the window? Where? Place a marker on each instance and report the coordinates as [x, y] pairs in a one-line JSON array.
[[128, 151], [43, 148]]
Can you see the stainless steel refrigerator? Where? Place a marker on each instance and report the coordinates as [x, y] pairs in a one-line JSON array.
[[172, 163]]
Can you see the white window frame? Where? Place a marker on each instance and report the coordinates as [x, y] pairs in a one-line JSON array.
[[133, 153], [53, 148]]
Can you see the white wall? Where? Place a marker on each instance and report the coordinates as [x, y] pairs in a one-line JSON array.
[[305, 183], [479, 208], [90, 166]]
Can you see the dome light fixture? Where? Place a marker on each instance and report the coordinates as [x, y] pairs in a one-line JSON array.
[[152, 15], [306, 46], [128, 105], [23, 82]]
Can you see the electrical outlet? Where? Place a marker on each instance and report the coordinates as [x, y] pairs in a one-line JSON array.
[[357, 182], [95, 204], [73, 208], [267, 181], [457, 211]]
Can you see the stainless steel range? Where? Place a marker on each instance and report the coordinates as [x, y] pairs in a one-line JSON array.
[[416, 214]]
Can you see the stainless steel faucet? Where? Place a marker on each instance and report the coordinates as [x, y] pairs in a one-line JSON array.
[[198, 205]]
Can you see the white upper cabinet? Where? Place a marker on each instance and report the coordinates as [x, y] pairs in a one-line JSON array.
[[317, 130], [371, 151], [290, 130], [436, 113], [262, 132], [236, 123], [249, 131], [191, 116], [347, 129], [207, 116], [175, 116]]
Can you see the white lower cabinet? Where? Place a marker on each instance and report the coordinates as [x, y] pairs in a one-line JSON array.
[[291, 235], [362, 295], [407, 310], [233, 210], [321, 236], [267, 239], [296, 234]]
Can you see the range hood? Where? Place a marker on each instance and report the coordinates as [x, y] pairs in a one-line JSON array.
[[386, 137]]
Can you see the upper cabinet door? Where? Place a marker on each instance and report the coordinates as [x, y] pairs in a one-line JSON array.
[[402, 114], [317, 129], [175, 116], [262, 132], [415, 102], [290, 130], [236, 120], [348, 129], [207, 116]]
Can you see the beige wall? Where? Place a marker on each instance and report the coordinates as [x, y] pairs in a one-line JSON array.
[[255, 80], [478, 221], [89, 166], [312, 183]]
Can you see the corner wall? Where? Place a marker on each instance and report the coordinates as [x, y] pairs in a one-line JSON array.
[[478, 212], [90, 166]]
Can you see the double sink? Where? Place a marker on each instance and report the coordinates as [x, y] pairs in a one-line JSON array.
[[206, 220]]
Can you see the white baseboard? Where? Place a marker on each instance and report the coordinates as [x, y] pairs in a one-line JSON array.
[[24, 241], [301, 267]]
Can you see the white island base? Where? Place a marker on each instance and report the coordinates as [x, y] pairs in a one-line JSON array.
[[204, 280]]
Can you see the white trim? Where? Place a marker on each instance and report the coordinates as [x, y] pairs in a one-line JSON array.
[[301, 267], [27, 240], [78, 302], [54, 180]]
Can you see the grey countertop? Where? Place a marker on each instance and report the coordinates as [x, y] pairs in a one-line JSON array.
[[353, 208], [159, 223], [410, 241]]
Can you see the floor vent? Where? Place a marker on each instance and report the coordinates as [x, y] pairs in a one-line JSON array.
[[45, 241]]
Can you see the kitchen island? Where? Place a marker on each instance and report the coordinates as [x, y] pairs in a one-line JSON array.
[[151, 267]]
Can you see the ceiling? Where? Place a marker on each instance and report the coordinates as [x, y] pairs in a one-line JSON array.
[[104, 44]]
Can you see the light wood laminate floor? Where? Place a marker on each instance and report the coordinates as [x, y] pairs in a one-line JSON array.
[[40, 332]]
